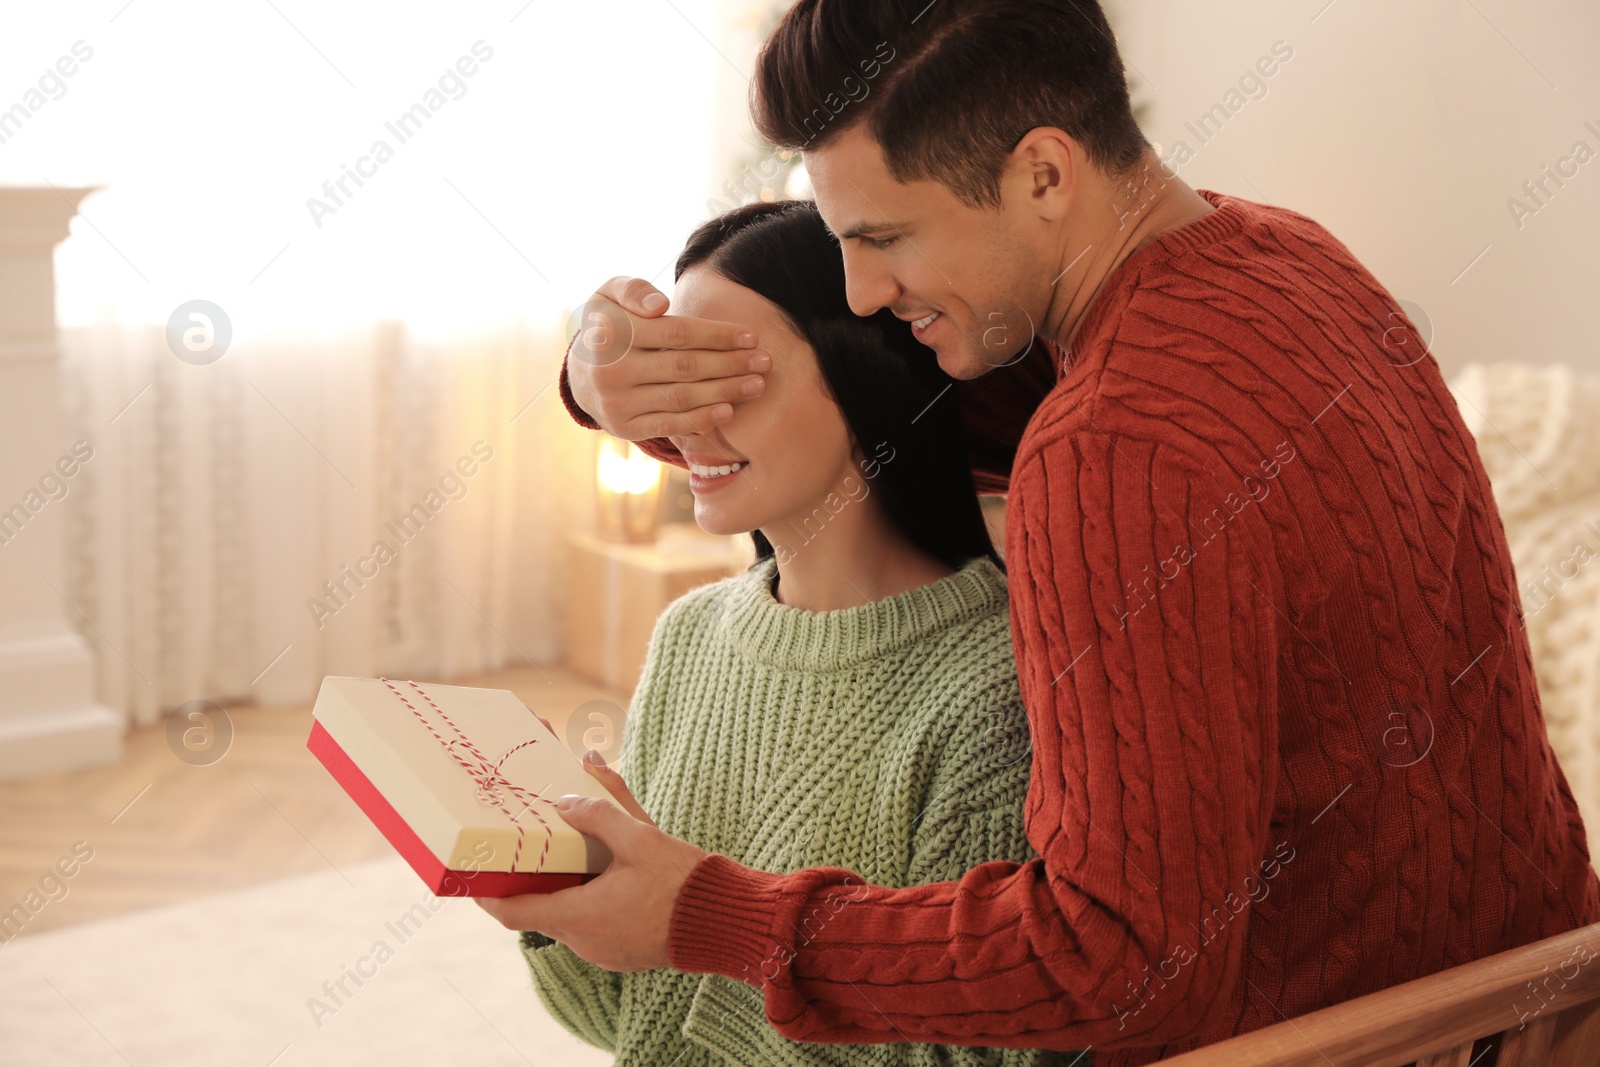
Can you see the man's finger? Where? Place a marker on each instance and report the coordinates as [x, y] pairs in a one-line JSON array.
[[685, 332], [691, 365], [632, 293], [600, 819], [547, 913], [504, 911], [686, 396], [675, 424]]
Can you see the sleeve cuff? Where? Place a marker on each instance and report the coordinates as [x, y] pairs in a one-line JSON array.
[[721, 923], [660, 449], [580, 416], [534, 939]]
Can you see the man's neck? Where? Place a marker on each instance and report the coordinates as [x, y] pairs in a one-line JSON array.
[[1123, 217]]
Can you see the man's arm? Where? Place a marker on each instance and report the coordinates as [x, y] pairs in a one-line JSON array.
[[972, 814], [648, 397], [1152, 781]]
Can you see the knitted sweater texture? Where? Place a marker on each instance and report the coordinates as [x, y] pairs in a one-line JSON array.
[[1288, 746], [888, 739]]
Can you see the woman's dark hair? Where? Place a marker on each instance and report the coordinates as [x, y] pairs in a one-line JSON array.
[[947, 89], [887, 384]]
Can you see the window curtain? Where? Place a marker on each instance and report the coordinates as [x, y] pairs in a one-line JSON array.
[[360, 502]]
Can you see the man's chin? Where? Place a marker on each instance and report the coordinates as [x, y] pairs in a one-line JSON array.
[[961, 364]]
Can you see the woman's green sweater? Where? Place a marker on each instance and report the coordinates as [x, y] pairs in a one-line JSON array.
[[888, 739]]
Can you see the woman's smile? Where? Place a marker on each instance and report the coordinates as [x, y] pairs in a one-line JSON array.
[[714, 469], [703, 479]]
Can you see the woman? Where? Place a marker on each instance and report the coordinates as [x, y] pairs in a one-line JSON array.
[[849, 701]]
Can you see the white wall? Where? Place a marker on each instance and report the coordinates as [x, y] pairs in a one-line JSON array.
[[578, 149], [1405, 128]]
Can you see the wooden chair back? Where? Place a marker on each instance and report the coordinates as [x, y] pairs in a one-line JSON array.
[[1534, 1006]]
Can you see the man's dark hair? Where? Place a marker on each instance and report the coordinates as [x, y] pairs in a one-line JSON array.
[[891, 394], [947, 88]]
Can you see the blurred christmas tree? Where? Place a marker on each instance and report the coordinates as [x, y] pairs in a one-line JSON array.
[[765, 173]]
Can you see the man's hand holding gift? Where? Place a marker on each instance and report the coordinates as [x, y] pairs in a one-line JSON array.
[[620, 920]]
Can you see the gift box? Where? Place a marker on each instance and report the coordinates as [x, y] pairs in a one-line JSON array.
[[462, 781]]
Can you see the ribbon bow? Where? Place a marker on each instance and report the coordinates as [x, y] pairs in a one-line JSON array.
[[486, 773]]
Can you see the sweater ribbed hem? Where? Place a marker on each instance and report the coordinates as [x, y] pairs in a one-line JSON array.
[[568, 989], [722, 921], [731, 1021]]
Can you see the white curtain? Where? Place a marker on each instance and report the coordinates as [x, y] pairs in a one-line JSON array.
[[430, 485], [222, 497]]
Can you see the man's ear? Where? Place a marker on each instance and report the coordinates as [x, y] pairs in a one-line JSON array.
[[1046, 163]]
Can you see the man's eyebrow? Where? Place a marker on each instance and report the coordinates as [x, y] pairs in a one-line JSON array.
[[861, 228]]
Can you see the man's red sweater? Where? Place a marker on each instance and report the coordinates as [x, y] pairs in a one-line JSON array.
[[1288, 747]]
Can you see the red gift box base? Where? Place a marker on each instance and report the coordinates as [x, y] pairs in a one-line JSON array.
[[441, 879]]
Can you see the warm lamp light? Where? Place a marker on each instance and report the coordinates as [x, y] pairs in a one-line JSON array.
[[628, 483]]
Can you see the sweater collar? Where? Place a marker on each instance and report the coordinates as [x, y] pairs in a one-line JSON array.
[[1231, 216], [792, 639]]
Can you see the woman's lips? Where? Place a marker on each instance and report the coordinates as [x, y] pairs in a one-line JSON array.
[[700, 483]]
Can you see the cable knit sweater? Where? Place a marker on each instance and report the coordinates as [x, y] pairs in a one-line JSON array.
[[888, 738], [1288, 747]]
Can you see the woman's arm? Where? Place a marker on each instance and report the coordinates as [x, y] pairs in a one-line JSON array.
[[580, 996], [973, 813], [974, 816], [583, 998]]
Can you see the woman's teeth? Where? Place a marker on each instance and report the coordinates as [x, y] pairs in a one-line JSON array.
[[714, 472], [923, 323]]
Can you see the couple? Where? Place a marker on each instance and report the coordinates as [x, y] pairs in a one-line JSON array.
[[850, 701], [1283, 748]]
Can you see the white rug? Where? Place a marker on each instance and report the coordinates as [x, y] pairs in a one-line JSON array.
[[227, 980]]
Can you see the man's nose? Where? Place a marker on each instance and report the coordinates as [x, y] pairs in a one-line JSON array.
[[867, 288]]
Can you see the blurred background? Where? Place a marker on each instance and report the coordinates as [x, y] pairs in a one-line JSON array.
[[284, 291]]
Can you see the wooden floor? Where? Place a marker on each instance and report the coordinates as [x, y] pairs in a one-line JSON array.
[[164, 831]]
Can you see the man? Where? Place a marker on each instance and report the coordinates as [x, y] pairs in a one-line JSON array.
[[1287, 742]]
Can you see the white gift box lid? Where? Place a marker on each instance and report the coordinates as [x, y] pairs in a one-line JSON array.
[[465, 768]]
